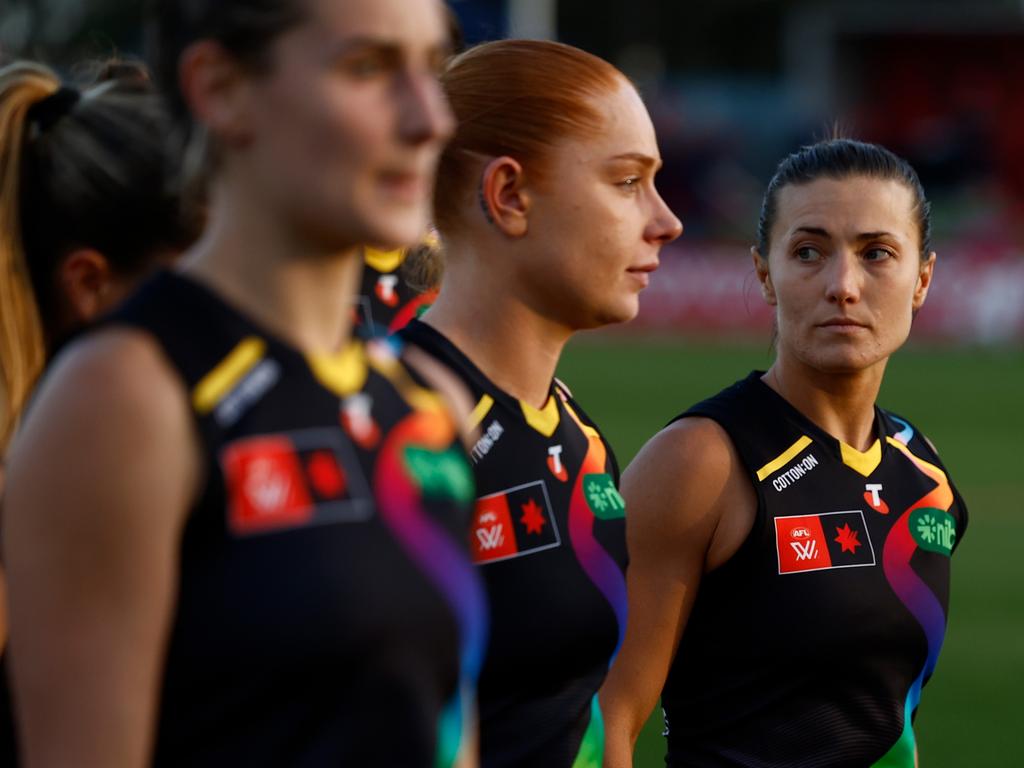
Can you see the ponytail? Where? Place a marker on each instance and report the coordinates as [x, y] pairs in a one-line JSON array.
[[77, 170], [22, 347]]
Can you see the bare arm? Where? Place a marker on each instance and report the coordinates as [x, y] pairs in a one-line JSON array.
[[98, 487], [686, 502]]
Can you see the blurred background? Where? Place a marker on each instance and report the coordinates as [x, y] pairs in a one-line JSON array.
[[733, 86]]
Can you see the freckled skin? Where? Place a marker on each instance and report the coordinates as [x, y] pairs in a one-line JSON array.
[[587, 228]]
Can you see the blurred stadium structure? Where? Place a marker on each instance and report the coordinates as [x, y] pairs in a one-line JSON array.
[[734, 85]]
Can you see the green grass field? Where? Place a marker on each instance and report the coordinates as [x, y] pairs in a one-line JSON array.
[[971, 404]]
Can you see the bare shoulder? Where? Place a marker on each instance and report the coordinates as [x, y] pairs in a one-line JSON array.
[[687, 456], [687, 488], [119, 376], [109, 402]]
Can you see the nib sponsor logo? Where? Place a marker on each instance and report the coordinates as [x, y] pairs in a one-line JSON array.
[[934, 530], [603, 497], [819, 542], [513, 523]]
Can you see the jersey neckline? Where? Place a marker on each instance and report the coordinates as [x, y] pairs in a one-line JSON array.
[[863, 463], [543, 420], [343, 372]]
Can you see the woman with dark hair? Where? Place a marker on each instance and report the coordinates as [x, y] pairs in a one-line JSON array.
[[789, 540], [234, 535], [87, 209], [551, 224], [86, 212]]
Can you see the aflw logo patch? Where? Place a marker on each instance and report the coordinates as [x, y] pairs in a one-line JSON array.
[[513, 523], [293, 480], [828, 540]]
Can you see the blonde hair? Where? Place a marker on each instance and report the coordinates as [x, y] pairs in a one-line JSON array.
[[22, 347]]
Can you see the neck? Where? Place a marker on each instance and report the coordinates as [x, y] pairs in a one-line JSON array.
[[515, 347], [299, 293], [842, 404]]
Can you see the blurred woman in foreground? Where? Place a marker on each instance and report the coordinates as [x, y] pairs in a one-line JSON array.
[[255, 554]]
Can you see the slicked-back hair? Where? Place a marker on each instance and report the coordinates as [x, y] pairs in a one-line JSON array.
[[842, 159]]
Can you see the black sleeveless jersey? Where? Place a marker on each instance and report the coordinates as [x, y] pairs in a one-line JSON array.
[[328, 612], [386, 302], [549, 537], [810, 646]]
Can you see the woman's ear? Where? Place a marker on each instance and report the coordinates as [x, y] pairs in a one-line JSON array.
[[84, 278], [924, 281], [217, 91], [504, 201], [764, 277]]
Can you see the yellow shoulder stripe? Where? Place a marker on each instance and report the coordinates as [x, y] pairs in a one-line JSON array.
[[864, 462], [212, 388], [383, 261], [544, 420], [480, 412], [783, 458], [344, 372]]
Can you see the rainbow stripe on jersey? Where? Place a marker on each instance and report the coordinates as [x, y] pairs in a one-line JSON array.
[[602, 570], [443, 560], [900, 547]]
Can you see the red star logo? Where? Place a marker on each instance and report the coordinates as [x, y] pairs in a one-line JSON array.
[[847, 539], [533, 517]]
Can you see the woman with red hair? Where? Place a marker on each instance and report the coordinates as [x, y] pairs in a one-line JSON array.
[[551, 224]]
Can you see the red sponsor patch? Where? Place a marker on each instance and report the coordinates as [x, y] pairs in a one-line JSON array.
[[515, 522], [493, 535], [801, 544], [827, 540], [265, 485]]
